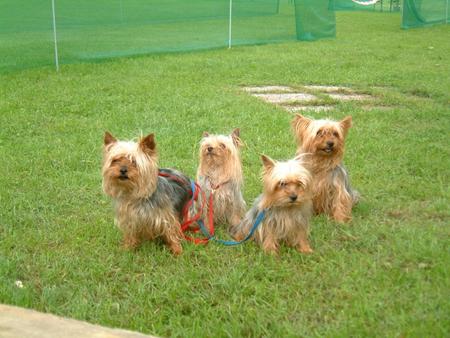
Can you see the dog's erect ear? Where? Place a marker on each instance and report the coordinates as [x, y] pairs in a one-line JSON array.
[[303, 158], [108, 138], [346, 124], [205, 134], [147, 144], [235, 137], [267, 162], [299, 125]]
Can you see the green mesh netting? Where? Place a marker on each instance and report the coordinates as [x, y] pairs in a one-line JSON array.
[[314, 20], [26, 36], [417, 13], [99, 29]]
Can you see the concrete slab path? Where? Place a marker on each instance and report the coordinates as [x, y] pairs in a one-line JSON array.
[[17, 322]]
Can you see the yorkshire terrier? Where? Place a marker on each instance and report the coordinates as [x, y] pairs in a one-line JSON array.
[[286, 199], [220, 174], [324, 140], [148, 204]]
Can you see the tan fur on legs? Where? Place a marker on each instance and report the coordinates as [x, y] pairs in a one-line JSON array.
[[173, 239], [235, 219], [130, 241], [238, 237], [302, 242], [269, 243], [342, 208]]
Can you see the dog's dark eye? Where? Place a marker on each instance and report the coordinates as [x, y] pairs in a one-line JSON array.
[[335, 134], [319, 132], [115, 161], [282, 184]]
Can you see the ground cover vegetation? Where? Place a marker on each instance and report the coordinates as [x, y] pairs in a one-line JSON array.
[[385, 274]]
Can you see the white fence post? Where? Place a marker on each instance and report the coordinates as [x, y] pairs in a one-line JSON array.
[[229, 24], [54, 36]]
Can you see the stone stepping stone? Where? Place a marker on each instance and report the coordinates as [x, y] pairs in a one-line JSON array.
[[18, 322], [294, 109], [380, 108], [350, 97], [268, 89], [286, 98], [328, 89]]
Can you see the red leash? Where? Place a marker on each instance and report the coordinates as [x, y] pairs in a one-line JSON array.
[[196, 192]]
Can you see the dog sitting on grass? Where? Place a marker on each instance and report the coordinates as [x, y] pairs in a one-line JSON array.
[[219, 175], [324, 140], [147, 205], [286, 201]]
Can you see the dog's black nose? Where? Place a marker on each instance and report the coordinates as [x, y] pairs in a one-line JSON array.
[[330, 143], [210, 149], [293, 198], [123, 170]]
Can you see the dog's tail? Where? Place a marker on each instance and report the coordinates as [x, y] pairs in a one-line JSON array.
[[356, 196], [342, 172]]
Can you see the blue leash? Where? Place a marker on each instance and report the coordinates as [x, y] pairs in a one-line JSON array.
[[259, 219], [255, 225]]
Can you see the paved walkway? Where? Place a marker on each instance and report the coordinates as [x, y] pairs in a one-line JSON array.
[[16, 322]]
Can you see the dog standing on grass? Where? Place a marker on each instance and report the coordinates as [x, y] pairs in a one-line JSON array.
[[220, 174], [286, 201], [147, 205], [324, 140]]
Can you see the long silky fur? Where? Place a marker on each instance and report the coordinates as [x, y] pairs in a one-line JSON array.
[[332, 192], [282, 223], [227, 200], [156, 215], [228, 203], [333, 186], [151, 207]]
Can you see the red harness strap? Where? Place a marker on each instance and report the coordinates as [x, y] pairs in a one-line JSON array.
[[211, 206], [186, 225]]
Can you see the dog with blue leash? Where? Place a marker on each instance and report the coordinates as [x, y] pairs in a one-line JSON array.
[[282, 212]]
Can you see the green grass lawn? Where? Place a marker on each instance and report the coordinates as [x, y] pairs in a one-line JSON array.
[[385, 274]]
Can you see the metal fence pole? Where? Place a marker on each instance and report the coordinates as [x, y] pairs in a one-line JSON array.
[[229, 24], [446, 13], [54, 36]]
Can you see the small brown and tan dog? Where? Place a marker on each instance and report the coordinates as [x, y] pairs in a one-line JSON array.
[[324, 141], [219, 175]]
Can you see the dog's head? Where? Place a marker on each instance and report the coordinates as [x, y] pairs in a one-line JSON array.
[[129, 168], [325, 138], [220, 150], [286, 184]]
